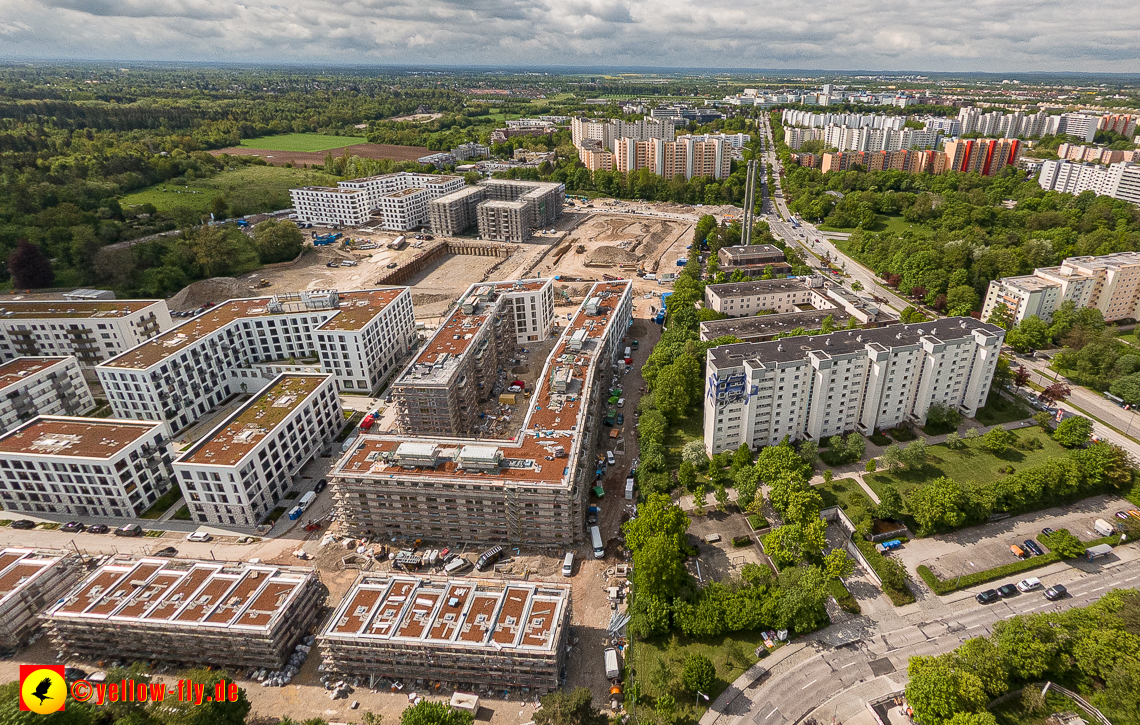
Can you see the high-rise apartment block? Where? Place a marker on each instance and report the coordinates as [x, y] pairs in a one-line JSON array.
[[984, 156], [239, 471], [913, 162], [607, 132], [187, 612], [468, 632], [31, 386], [398, 202], [440, 391], [92, 331], [240, 345], [1110, 283], [84, 466], [505, 210], [685, 157], [527, 488], [813, 387], [1119, 180]]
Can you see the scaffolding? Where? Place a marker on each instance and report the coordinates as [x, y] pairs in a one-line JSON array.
[[29, 581], [188, 612], [462, 632]]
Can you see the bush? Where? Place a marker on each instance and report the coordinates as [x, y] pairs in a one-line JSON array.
[[739, 541], [757, 522], [890, 572], [843, 597], [699, 674], [903, 433], [981, 577], [879, 439]]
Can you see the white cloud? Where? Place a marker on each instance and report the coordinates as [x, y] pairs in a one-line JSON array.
[[933, 35]]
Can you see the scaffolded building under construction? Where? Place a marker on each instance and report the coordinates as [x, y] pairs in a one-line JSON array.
[[465, 632], [188, 612], [29, 581]]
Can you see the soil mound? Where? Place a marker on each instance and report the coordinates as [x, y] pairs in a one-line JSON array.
[[213, 291]]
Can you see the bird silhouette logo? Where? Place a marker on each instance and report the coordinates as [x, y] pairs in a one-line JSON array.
[[43, 689]]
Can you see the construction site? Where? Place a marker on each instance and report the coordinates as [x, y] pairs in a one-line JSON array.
[[465, 633], [187, 612], [619, 245], [29, 581]]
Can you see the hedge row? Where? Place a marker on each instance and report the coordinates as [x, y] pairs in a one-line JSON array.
[[890, 572], [999, 572]]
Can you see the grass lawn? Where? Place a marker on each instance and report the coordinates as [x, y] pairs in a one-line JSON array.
[[883, 223], [843, 492], [969, 464], [163, 504], [1000, 409], [1129, 337], [247, 190], [1014, 712], [658, 663], [302, 142], [182, 514], [688, 429]]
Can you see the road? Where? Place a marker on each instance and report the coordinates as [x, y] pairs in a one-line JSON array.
[[807, 237], [818, 672]]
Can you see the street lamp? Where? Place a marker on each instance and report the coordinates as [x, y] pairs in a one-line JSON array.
[[699, 696], [960, 575]]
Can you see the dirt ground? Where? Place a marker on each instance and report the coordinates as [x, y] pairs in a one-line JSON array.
[[300, 158], [612, 239]]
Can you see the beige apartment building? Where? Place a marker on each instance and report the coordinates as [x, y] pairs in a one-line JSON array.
[[1110, 283], [685, 157], [739, 299]]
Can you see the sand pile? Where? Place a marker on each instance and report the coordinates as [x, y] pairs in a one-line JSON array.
[[213, 290], [612, 255]]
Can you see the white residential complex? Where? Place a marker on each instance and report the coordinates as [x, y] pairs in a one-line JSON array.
[[239, 471], [1110, 283], [865, 138], [739, 299], [817, 386], [92, 331], [31, 386], [240, 345], [608, 132], [398, 201], [84, 466], [807, 119], [1120, 180], [732, 140]]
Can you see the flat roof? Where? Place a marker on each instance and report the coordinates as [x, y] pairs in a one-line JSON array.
[[757, 287], [70, 309], [766, 325], [752, 250], [249, 425], [848, 341], [22, 368], [330, 189], [541, 453], [185, 593], [477, 614], [73, 437], [353, 311], [19, 569]]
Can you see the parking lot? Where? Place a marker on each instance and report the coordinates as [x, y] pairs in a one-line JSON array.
[[978, 548]]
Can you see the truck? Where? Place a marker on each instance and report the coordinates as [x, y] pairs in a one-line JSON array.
[[398, 243], [682, 262], [613, 665], [323, 240], [1104, 528], [306, 500], [596, 541]]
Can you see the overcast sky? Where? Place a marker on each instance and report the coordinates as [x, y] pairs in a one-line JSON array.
[[931, 35]]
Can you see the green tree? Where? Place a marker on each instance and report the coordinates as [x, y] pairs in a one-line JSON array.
[[29, 266], [74, 713], [1029, 646], [671, 392], [569, 708], [937, 690], [746, 482], [659, 567], [937, 506], [855, 446], [721, 496], [208, 713], [781, 463], [742, 458], [790, 543], [809, 452], [961, 300], [803, 506], [915, 453], [954, 441], [657, 517], [980, 656], [997, 440], [698, 674], [699, 500], [1127, 388], [1073, 432], [1120, 701], [837, 565], [872, 465], [427, 712], [687, 475], [1043, 419], [890, 503], [694, 452], [219, 209], [1064, 544], [801, 602], [277, 241], [891, 457]]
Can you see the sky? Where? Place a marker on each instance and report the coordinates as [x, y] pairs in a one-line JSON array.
[[918, 35]]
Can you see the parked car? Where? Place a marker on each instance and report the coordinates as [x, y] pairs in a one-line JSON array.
[[1055, 592], [610, 458], [321, 485], [98, 529], [1034, 547], [1029, 584], [988, 596], [1007, 590], [72, 527], [168, 551], [1122, 515], [1134, 514], [199, 536], [333, 264], [71, 674], [23, 524], [1048, 531], [129, 530], [620, 418]]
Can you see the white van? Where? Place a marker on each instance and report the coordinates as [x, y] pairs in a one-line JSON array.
[[307, 499], [596, 540], [1104, 528], [568, 564], [1028, 585], [456, 565], [613, 665], [610, 460]]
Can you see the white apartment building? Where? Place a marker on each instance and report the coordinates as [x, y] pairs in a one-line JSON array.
[[808, 119], [740, 299], [31, 386], [92, 331], [732, 140], [1120, 180], [240, 470], [856, 380], [240, 345], [1023, 296], [397, 202], [608, 132], [533, 310], [847, 138], [1110, 283], [84, 466]]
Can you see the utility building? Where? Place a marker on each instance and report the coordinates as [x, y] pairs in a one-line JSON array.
[[530, 488], [29, 581], [467, 632], [188, 612], [239, 471], [31, 386]]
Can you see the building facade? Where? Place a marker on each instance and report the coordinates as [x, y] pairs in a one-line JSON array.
[[813, 387], [186, 612], [752, 259], [529, 488], [398, 202], [1110, 283], [240, 345], [986, 156], [31, 386], [685, 157], [92, 331], [97, 467], [1119, 180], [29, 581], [469, 633], [740, 299], [505, 210], [238, 472]]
